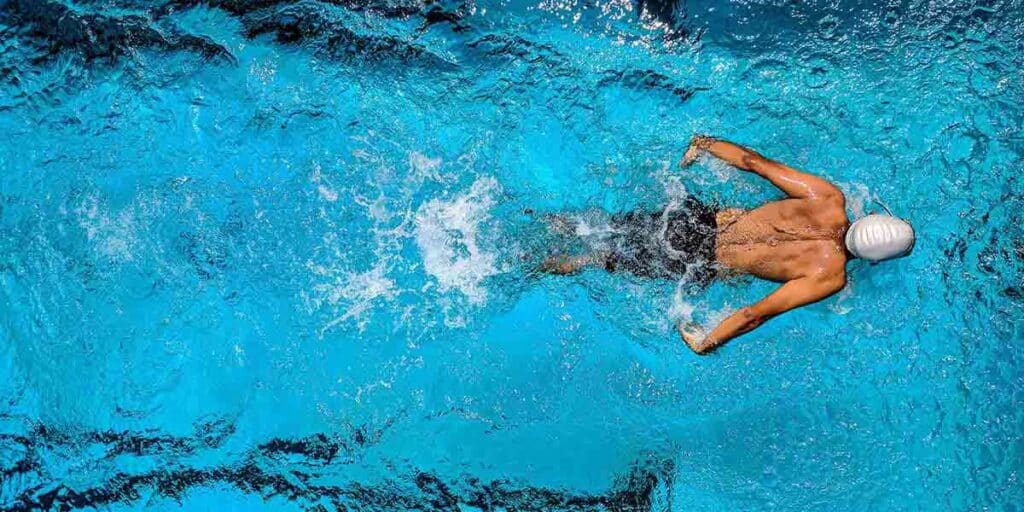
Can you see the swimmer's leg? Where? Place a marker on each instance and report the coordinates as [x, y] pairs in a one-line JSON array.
[[561, 224], [564, 265]]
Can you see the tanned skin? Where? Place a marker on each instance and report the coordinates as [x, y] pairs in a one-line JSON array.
[[797, 241]]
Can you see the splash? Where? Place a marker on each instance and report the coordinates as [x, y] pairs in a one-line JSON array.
[[113, 236], [354, 292], [681, 310], [684, 311], [324, 187], [858, 197], [448, 233], [424, 166]]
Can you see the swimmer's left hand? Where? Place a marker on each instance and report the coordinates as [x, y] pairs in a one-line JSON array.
[[691, 155], [697, 144]]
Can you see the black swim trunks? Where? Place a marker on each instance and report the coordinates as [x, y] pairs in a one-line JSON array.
[[678, 243]]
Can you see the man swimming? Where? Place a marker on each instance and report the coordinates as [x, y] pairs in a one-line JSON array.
[[803, 241]]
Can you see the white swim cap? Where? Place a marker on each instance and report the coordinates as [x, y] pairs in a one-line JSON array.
[[879, 237]]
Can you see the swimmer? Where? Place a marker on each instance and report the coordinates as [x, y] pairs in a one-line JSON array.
[[803, 241]]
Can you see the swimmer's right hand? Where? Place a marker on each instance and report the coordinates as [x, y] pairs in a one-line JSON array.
[[693, 335]]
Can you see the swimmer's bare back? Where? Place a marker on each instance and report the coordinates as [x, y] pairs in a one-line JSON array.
[[797, 241]]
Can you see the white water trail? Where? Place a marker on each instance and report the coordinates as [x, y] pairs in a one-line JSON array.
[[448, 236]]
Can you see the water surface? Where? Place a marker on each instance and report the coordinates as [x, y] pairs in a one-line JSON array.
[[270, 255]]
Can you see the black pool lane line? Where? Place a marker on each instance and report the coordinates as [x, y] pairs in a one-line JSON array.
[[301, 459], [58, 28]]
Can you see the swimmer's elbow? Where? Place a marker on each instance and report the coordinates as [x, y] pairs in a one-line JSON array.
[[830, 193], [752, 161]]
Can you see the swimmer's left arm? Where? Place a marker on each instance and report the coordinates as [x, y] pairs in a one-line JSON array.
[[793, 294], [796, 184]]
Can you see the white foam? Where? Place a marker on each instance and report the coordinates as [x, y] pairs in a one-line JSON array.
[[354, 292], [447, 233], [323, 185], [839, 305], [710, 171], [593, 228], [857, 197], [721, 171], [686, 312], [113, 235], [681, 310], [424, 166], [675, 189], [376, 208]]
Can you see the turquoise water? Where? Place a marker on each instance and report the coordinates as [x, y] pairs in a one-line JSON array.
[[275, 256]]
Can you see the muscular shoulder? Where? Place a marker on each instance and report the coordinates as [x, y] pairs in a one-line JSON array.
[[827, 209], [831, 276]]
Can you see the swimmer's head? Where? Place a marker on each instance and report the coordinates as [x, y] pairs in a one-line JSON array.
[[880, 237]]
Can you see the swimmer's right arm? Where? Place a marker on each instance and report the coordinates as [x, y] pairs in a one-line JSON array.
[[794, 183], [793, 294]]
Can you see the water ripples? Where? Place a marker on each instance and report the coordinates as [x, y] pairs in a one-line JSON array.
[[296, 217]]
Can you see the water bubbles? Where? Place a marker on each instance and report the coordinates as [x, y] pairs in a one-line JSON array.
[[817, 69], [827, 26]]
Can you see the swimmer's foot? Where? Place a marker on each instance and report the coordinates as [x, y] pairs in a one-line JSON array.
[[565, 265], [560, 265]]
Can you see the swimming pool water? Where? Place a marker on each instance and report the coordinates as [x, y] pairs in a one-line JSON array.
[[277, 255]]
